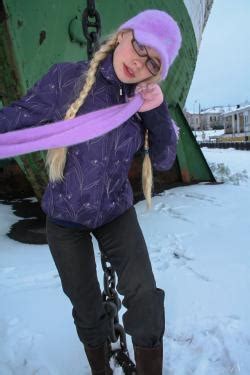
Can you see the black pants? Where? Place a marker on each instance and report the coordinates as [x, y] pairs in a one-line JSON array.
[[123, 243]]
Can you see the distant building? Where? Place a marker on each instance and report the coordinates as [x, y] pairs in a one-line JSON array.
[[234, 119], [193, 120], [210, 118], [237, 120]]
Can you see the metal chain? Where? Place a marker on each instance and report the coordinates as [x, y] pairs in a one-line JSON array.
[[112, 305], [91, 36], [111, 300]]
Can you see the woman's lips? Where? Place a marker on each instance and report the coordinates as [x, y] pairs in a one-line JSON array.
[[128, 72]]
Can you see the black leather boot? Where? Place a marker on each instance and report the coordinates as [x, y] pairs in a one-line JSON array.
[[149, 360], [98, 359]]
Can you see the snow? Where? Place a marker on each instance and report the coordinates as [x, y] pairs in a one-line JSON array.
[[212, 111], [238, 109], [206, 134], [198, 241], [220, 109]]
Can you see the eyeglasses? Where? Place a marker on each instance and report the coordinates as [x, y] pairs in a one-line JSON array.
[[141, 51]]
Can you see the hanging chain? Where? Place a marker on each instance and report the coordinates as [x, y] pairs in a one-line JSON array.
[[110, 297], [112, 305], [92, 36]]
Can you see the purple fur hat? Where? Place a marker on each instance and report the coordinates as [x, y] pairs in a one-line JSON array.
[[157, 29]]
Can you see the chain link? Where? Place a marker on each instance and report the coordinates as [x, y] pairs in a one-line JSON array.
[[112, 301], [92, 36], [112, 305], [91, 7]]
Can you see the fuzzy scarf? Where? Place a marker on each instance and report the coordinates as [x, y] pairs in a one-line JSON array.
[[67, 132]]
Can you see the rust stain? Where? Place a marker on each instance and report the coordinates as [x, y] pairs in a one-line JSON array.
[[186, 178]]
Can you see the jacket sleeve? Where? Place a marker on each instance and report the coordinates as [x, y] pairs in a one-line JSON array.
[[35, 108], [163, 136]]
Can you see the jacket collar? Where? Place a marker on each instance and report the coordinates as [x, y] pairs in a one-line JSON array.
[[108, 72]]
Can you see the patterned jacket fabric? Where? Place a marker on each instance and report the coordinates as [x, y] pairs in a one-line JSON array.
[[95, 188]]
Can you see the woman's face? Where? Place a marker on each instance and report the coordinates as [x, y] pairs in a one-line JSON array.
[[128, 65]]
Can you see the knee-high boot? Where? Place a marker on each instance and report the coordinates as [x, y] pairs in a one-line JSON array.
[[98, 359], [149, 361]]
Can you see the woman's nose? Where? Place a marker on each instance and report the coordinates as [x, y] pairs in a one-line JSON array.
[[139, 62]]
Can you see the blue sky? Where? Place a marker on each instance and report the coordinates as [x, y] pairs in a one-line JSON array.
[[222, 74]]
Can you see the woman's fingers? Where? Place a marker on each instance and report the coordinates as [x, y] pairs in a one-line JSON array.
[[145, 90], [149, 91], [145, 87], [147, 96], [152, 96]]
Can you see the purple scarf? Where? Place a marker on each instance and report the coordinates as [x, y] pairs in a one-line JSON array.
[[67, 132]]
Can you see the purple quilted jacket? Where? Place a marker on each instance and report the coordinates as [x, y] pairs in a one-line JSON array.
[[95, 189]]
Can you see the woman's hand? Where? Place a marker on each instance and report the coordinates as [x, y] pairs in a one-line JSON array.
[[151, 94]]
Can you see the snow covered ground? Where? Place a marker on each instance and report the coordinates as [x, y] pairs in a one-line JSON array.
[[198, 240]]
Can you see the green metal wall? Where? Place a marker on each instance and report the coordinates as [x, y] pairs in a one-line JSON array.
[[38, 37], [35, 34]]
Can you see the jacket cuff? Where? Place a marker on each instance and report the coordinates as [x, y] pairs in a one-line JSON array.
[[156, 116]]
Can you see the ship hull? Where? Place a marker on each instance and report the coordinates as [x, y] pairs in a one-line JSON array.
[[35, 35]]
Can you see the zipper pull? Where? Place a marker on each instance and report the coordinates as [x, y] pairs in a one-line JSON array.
[[121, 92]]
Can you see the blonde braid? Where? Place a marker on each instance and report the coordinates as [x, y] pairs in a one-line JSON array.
[[147, 174], [147, 170], [56, 158]]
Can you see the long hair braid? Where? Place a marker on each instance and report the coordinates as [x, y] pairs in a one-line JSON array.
[[147, 173], [56, 158]]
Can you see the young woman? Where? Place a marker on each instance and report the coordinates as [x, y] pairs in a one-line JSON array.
[[89, 192]]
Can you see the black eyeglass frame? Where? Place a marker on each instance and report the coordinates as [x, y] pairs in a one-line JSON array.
[[149, 58]]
